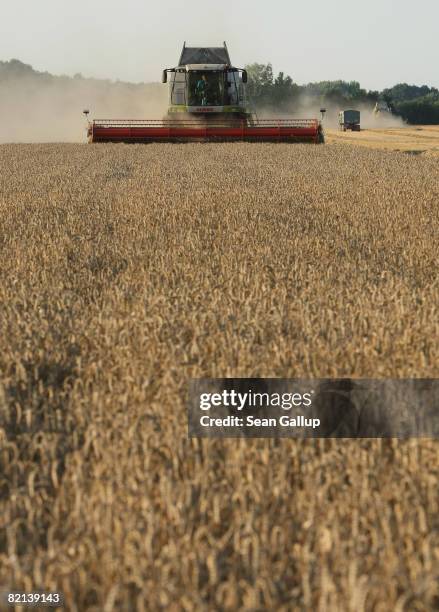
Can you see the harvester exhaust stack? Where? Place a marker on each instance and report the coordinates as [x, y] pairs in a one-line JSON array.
[[207, 102]]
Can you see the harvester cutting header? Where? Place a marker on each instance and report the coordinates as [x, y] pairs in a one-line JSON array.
[[207, 101]]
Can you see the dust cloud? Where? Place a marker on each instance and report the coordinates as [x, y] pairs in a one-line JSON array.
[[307, 107], [38, 107]]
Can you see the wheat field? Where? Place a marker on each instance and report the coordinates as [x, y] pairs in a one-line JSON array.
[[414, 140], [128, 269]]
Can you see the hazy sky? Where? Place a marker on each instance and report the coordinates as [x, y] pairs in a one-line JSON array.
[[377, 42]]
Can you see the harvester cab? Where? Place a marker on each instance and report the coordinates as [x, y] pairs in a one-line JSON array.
[[207, 102], [206, 85]]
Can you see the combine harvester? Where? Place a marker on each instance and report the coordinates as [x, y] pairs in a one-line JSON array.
[[207, 102]]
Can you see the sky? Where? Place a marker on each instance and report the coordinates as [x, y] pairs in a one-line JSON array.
[[376, 42]]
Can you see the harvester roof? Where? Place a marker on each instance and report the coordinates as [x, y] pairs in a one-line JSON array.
[[204, 55]]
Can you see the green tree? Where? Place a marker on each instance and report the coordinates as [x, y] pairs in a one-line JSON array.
[[260, 83], [424, 110], [403, 92], [265, 90], [284, 90]]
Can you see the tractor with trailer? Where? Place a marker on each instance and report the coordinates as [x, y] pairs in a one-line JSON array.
[[382, 108], [207, 102], [349, 120]]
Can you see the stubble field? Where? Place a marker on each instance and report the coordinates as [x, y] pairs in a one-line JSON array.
[[414, 140], [127, 270]]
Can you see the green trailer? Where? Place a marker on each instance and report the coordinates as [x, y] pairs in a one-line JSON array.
[[349, 120]]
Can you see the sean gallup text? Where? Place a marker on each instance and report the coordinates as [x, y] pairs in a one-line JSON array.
[[252, 421]]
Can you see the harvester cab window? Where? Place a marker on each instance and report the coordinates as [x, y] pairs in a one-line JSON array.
[[201, 90], [241, 90], [178, 87], [206, 88], [231, 89]]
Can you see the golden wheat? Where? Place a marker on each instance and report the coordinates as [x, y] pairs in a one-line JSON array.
[[127, 270], [416, 140]]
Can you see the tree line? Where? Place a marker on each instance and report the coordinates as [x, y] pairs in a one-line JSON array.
[[413, 103]]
